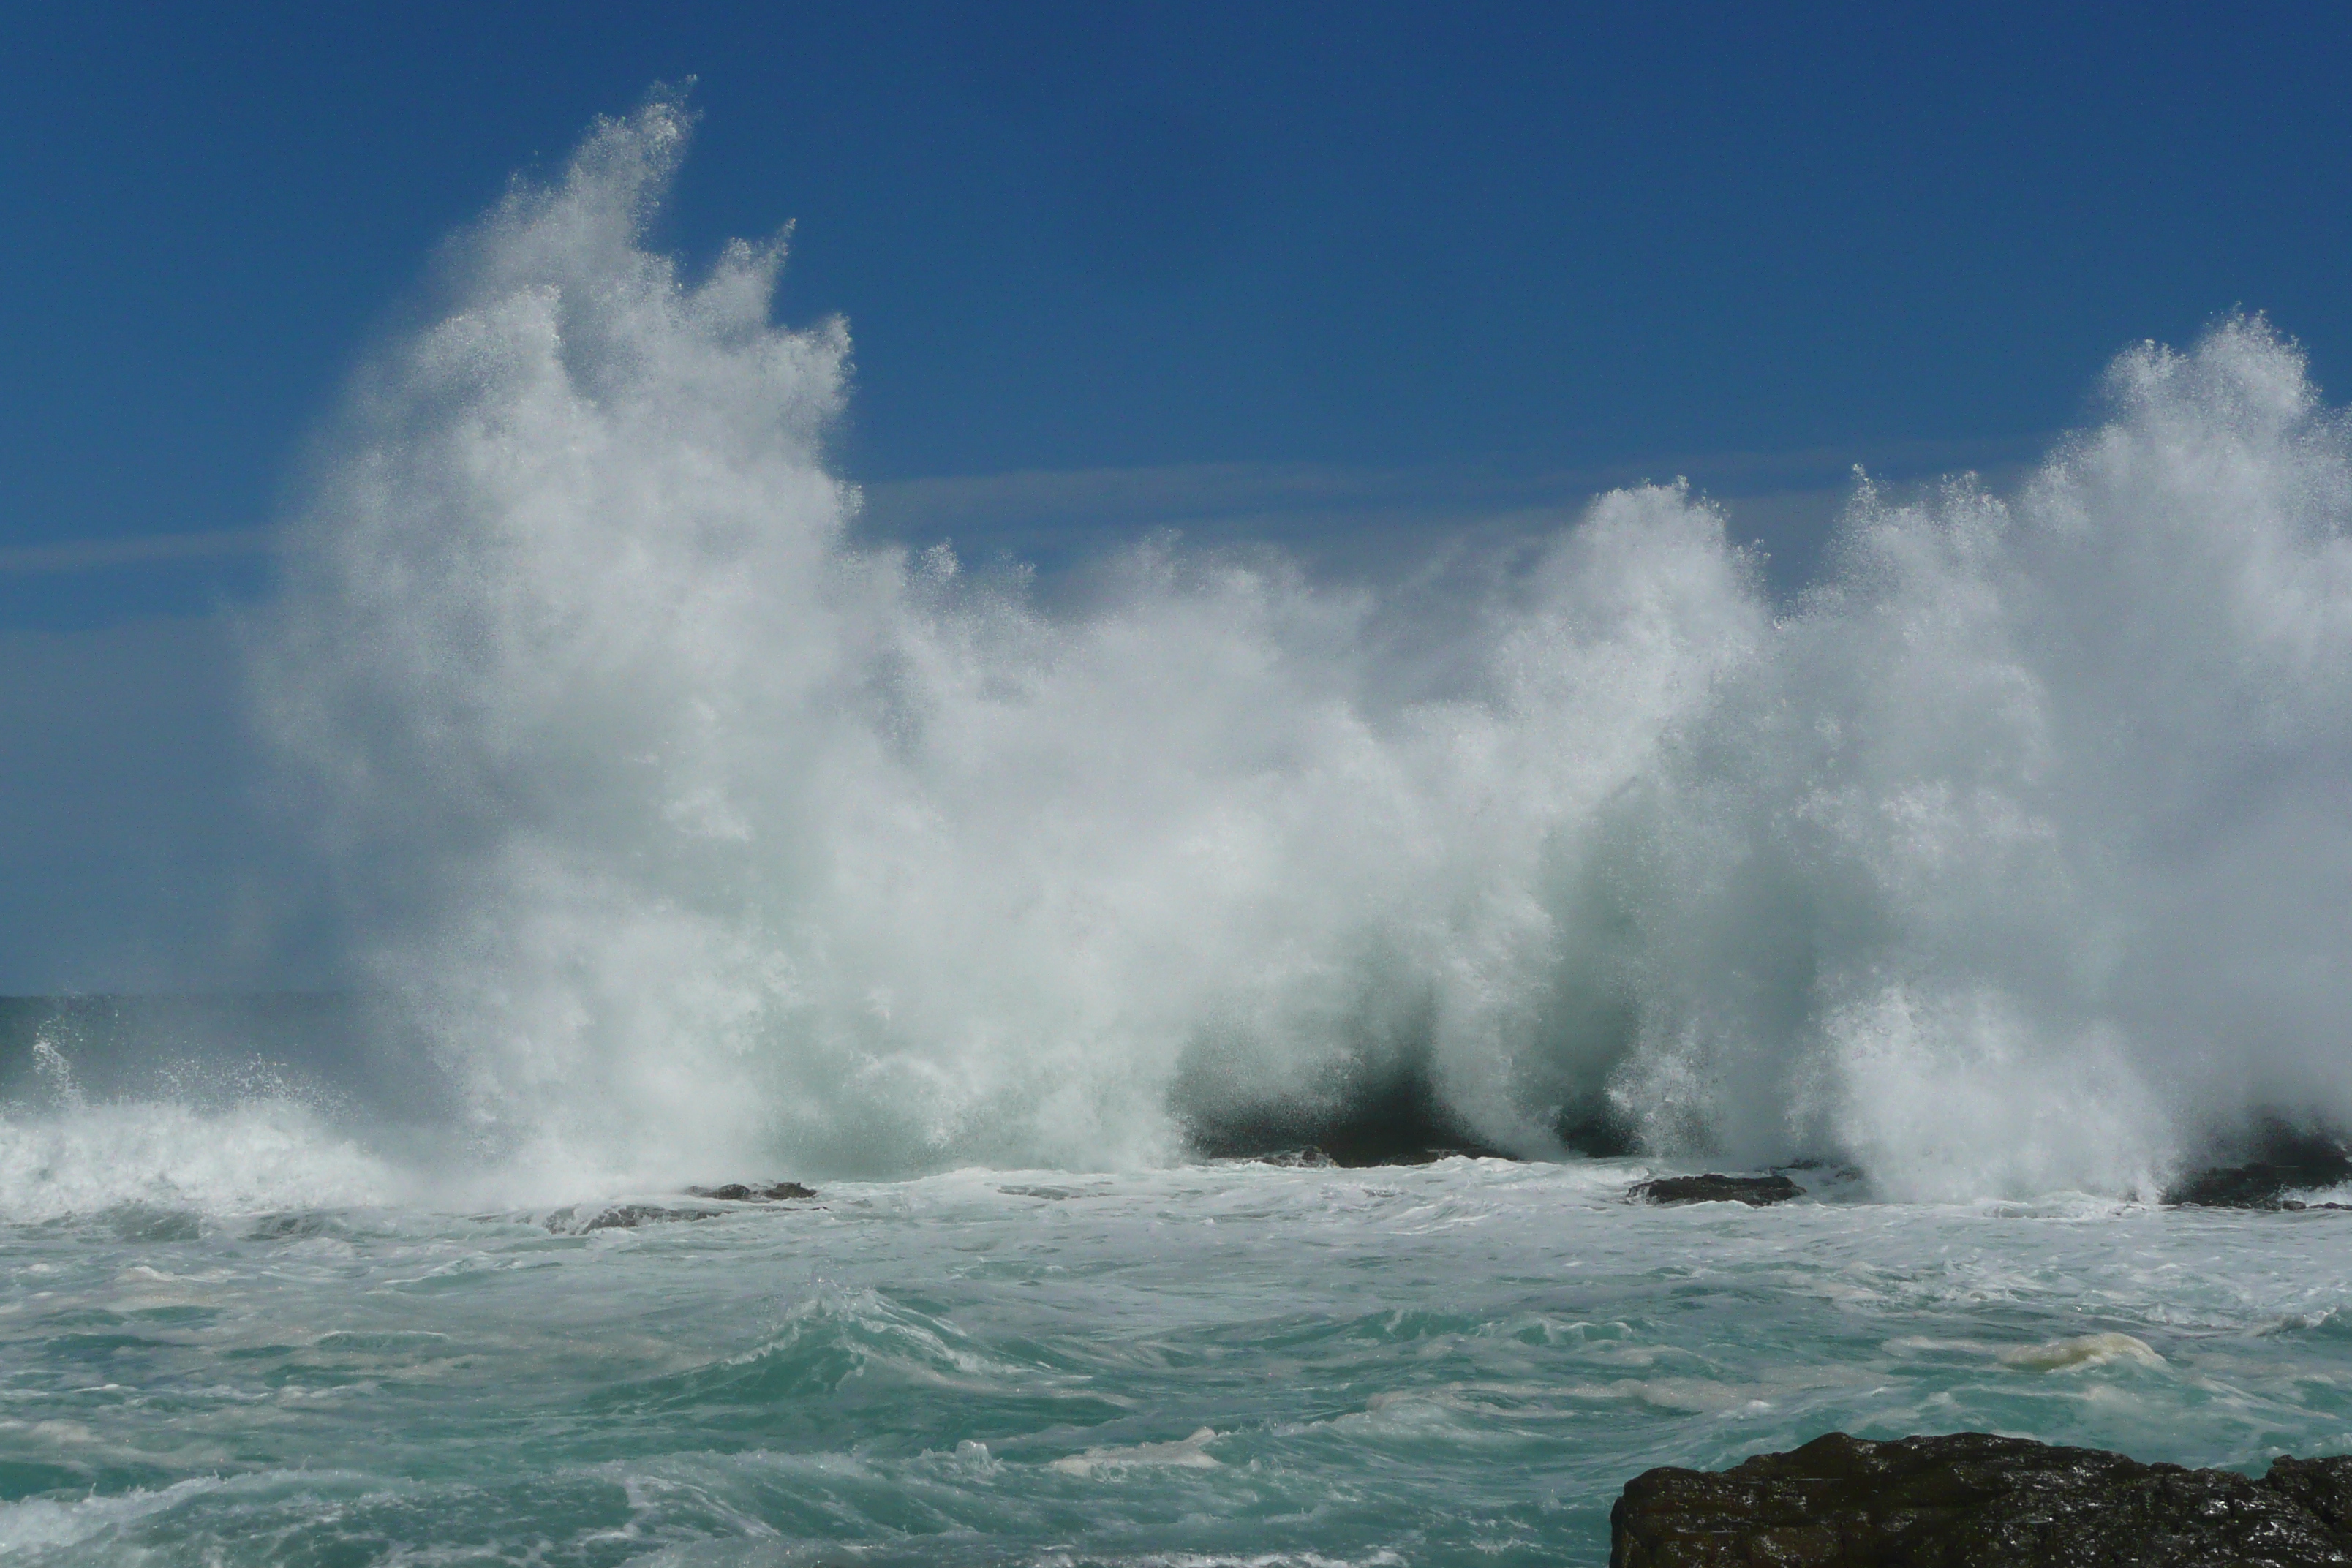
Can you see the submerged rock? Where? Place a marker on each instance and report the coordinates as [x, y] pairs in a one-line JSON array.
[[1974, 1498], [1308, 1158], [1711, 1188], [582, 1218], [757, 1192]]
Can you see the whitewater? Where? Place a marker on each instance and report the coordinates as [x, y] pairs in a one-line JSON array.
[[682, 832]]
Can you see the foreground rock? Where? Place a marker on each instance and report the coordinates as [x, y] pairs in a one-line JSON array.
[[1972, 1499], [1753, 1191]]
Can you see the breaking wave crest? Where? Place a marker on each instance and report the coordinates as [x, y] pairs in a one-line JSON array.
[[161, 1159], [698, 835]]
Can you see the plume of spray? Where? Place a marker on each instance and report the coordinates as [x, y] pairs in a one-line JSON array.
[[702, 839]]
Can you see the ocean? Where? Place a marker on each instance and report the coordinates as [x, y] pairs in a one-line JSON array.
[[675, 831], [1230, 1362]]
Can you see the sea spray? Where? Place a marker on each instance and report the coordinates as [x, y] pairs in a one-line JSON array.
[[700, 837], [160, 1110]]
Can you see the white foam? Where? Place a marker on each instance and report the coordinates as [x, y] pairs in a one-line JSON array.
[[34, 1524], [2082, 1351], [263, 1155], [1185, 1453]]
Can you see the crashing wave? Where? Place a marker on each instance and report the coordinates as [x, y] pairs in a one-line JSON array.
[[698, 834]]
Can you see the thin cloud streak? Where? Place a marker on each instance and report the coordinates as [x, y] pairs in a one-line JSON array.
[[143, 549], [1352, 517], [1277, 503]]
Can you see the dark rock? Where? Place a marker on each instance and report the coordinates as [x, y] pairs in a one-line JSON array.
[[580, 1219], [1595, 1129], [2323, 1487], [1385, 1113], [2283, 1158], [1972, 1499], [1753, 1191], [299, 1225], [737, 1192], [2259, 1185]]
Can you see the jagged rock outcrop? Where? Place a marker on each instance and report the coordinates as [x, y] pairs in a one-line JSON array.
[[1975, 1501], [1711, 1188]]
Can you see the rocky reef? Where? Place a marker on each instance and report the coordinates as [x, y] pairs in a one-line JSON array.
[[1712, 1188], [753, 1193], [2279, 1159], [579, 1219], [1971, 1500]]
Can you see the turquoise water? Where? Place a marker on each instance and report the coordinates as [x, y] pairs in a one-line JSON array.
[[1456, 1364]]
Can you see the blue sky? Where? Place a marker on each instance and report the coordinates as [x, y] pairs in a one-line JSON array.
[[1335, 274]]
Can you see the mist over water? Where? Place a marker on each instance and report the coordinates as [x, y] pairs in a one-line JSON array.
[[699, 836]]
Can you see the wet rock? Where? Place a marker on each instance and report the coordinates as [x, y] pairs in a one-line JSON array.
[[298, 1225], [2259, 1185], [1973, 1499], [1595, 1129], [1387, 1113], [1711, 1188], [2285, 1158], [580, 1219], [757, 1192]]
